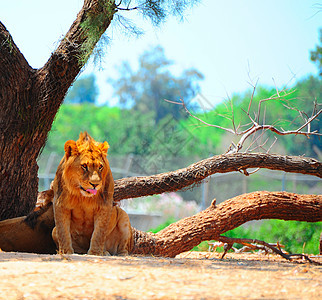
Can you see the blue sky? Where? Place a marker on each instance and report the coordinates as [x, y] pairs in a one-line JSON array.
[[230, 42]]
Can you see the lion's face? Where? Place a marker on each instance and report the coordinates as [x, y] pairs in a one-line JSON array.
[[86, 166], [89, 171]]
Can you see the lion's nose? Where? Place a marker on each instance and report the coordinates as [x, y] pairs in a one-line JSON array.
[[95, 178]]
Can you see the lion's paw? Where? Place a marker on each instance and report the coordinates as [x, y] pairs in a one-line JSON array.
[[95, 252], [66, 251], [123, 253]]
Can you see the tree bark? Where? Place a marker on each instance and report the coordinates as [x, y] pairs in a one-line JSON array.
[[172, 181], [29, 101], [18, 172], [215, 220]]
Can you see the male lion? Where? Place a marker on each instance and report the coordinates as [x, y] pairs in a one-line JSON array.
[[85, 218]]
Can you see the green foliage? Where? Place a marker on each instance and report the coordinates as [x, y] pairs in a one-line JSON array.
[[308, 91], [138, 135], [204, 246], [94, 25], [175, 134], [84, 90], [162, 226], [316, 55], [72, 119], [287, 110], [157, 10], [96, 21], [297, 237]]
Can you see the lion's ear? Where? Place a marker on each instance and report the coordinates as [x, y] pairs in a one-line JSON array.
[[104, 147], [70, 148]]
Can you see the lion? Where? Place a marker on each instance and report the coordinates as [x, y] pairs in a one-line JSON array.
[[86, 219]]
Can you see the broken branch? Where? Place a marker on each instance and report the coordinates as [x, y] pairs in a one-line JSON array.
[[230, 241]]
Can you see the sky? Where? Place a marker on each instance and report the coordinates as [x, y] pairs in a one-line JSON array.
[[232, 42]]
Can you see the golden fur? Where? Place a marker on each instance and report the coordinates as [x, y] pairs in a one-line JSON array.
[[86, 220]]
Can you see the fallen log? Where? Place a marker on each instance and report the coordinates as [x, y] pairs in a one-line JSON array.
[[133, 187]]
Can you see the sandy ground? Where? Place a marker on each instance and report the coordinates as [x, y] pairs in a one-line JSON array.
[[188, 276]]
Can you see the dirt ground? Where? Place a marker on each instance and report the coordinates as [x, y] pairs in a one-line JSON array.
[[193, 275]]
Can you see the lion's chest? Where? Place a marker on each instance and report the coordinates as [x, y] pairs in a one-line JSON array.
[[82, 221]]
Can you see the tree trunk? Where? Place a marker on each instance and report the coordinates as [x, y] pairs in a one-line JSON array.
[[30, 99], [19, 148]]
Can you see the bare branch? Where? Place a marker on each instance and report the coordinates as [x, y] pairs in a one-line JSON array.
[[232, 114], [271, 146], [252, 97], [230, 241], [277, 92], [308, 122], [257, 140], [200, 120], [272, 98], [127, 8], [255, 126]]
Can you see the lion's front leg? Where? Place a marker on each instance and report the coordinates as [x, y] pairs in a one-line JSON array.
[[101, 230], [61, 233]]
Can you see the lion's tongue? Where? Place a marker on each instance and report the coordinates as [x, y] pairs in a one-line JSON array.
[[92, 191]]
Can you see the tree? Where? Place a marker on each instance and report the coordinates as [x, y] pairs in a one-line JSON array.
[[146, 89], [308, 90], [30, 99], [84, 90], [316, 55]]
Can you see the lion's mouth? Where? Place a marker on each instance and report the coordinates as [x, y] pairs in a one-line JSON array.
[[90, 191]]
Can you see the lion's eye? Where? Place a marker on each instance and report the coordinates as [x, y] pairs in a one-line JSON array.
[[101, 167], [84, 166]]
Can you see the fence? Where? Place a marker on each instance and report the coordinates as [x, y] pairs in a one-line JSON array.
[[219, 186]]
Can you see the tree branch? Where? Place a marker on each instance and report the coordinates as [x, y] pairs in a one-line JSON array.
[[216, 220], [255, 125], [133, 187], [72, 53], [15, 75], [10, 53], [250, 242], [200, 120]]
